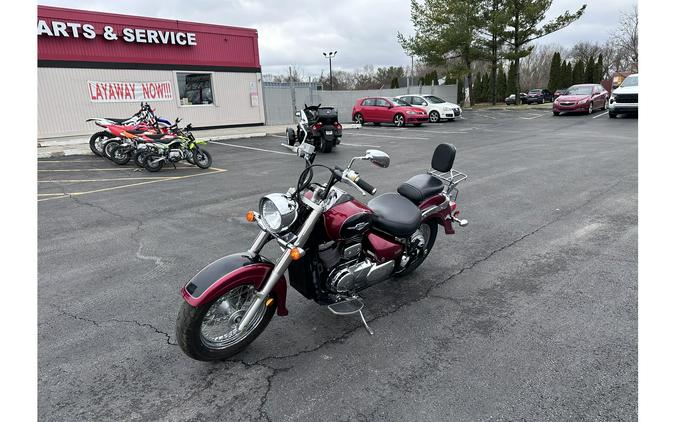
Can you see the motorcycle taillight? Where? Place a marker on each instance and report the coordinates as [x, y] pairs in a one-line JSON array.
[[317, 125]]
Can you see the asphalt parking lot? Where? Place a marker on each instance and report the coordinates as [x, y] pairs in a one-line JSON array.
[[529, 313]]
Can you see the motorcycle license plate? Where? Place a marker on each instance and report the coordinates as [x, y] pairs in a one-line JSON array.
[[329, 132]]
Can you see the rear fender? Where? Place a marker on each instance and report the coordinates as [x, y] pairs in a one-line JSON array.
[[231, 271], [442, 217]]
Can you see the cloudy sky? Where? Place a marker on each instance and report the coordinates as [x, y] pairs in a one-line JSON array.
[[363, 32]]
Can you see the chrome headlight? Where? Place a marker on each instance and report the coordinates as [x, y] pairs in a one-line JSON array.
[[278, 211]]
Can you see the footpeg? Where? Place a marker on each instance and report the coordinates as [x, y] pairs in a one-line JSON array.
[[348, 307]]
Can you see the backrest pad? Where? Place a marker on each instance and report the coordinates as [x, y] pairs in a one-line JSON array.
[[443, 158]]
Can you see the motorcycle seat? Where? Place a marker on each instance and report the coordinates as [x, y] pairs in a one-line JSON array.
[[118, 121], [395, 214], [420, 187], [158, 137]]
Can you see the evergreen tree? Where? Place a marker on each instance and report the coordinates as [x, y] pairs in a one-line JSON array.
[[460, 90], [526, 24], [501, 84], [590, 71], [578, 73], [394, 82], [568, 72], [554, 73], [599, 69]]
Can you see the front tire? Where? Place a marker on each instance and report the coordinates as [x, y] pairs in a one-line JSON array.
[[590, 108], [207, 332], [612, 115], [434, 117], [202, 159], [290, 136], [153, 162], [108, 147], [358, 118], [399, 120], [118, 156], [96, 142]]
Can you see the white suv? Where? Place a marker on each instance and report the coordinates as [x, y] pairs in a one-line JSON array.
[[624, 99], [436, 107]]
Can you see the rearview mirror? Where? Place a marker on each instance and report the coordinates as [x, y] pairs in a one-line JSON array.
[[377, 157], [297, 114]]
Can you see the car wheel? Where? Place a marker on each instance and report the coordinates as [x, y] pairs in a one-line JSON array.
[[434, 117], [612, 115], [556, 113], [590, 108], [399, 120], [358, 118]]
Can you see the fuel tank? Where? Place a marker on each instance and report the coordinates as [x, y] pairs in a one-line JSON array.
[[348, 219]]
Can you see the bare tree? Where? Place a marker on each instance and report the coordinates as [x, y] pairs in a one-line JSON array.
[[627, 37], [534, 69]]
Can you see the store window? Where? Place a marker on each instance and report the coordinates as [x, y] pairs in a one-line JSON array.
[[195, 88]]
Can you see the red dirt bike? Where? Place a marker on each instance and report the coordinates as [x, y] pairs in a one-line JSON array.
[[333, 247], [144, 120]]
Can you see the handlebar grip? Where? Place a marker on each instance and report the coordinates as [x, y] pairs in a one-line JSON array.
[[365, 186]]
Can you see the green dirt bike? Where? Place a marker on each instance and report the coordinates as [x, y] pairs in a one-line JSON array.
[[184, 147]]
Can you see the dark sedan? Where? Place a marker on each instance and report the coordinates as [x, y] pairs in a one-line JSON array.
[[511, 99], [540, 96]]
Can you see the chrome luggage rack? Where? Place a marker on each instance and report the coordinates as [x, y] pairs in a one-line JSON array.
[[452, 177]]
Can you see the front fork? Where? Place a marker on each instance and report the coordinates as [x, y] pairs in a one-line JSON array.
[[281, 265]]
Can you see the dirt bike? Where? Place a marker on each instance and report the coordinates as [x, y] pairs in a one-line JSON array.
[[333, 247], [144, 120], [183, 147]]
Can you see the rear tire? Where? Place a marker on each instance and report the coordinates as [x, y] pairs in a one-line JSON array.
[[139, 158], [96, 142], [417, 261], [325, 146], [192, 342], [151, 164], [290, 136]]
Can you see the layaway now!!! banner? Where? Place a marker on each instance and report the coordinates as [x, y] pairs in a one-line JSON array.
[[122, 92]]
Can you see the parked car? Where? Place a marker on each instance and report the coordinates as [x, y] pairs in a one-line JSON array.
[[436, 107], [624, 99], [559, 92], [511, 99], [584, 98], [387, 110], [539, 96]]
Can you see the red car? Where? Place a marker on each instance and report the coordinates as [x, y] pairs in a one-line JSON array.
[[387, 110], [585, 98]]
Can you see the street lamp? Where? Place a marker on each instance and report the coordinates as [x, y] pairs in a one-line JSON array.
[[330, 56]]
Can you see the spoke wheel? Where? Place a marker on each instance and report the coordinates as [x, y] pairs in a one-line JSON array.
[[424, 237], [434, 117], [399, 120], [358, 118], [590, 108]]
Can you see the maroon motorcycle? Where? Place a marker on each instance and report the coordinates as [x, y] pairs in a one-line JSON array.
[[333, 247]]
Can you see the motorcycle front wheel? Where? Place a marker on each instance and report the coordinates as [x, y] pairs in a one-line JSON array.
[[118, 156], [139, 158], [153, 162], [202, 159], [209, 332], [108, 147]]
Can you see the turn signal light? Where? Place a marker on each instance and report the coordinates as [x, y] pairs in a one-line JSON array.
[[296, 254], [250, 217]]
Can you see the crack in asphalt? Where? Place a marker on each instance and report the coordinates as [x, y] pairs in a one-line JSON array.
[[115, 320]]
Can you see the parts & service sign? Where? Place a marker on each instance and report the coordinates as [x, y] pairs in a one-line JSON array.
[[122, 92], [130, 35]]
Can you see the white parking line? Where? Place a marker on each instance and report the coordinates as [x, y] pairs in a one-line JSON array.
[[276, 136], [360, 145], [254, 149], [535, 117], [599, 115], [487, 117], [395, 137]]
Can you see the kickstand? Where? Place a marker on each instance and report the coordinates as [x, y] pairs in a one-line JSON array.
[[365, 323]]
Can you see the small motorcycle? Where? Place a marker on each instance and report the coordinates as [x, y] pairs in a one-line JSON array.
[[316, 124], [333, 247], [183, 147]]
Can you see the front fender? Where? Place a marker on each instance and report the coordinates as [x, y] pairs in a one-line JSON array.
[[231, 271]]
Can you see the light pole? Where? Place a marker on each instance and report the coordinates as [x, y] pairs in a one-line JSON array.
[[330, 56]]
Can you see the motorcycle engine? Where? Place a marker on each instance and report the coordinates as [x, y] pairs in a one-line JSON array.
[[349, 270], [175, 155]]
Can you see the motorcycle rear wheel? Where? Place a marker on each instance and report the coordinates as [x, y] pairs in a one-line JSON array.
[[325, 145], [139, 158], [96, 142], [428, 230], [152, 163], [208, 332], [108, 147]]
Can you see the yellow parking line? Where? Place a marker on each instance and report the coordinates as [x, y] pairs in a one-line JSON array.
[[215, 170], [108, 169], [105, 180]]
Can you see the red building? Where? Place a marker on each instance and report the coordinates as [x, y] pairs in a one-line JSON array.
[[103, 64]]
